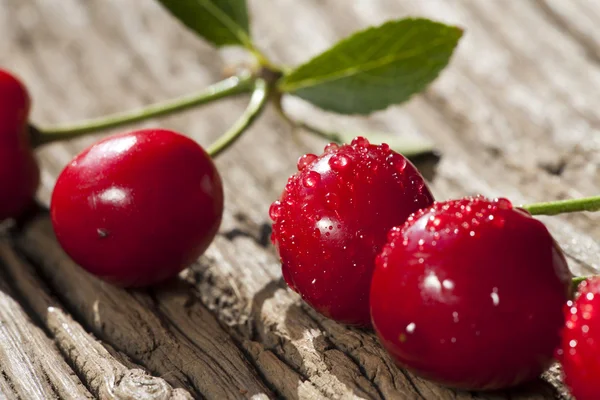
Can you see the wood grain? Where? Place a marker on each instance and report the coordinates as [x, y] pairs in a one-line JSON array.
[[514, 115]]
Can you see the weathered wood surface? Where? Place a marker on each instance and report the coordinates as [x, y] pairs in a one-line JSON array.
[[514, 115]]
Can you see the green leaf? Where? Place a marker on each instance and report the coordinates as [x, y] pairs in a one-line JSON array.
[[375, 68], [409, 146], [222, 22]]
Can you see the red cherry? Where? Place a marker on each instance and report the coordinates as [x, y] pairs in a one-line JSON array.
[[333, 217], [137, 208], [14, 104], [469, 293], [19, 171], [580, 351]]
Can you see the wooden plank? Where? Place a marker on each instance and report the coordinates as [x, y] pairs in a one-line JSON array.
[[31, 366], [514, 116], [105, 376], [197, 354]]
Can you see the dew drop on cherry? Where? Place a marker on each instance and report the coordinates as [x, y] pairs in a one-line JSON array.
[[415, 180], [311, 179], [339, 162], [399, 163], [331, 147], [503, 204], [316, 233], [275, 210], [305, 160], [360, 142]]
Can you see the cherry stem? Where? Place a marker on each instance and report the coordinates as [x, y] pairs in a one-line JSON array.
[[564, 206], [228, 87], [257, 103], [577, 280]]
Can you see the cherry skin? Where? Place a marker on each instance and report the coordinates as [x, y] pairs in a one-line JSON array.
[[580, 350], [469, 293], [19, 171], [333, 217], [137, 208]]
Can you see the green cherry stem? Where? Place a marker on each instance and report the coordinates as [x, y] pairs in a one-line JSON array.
[[564, 206], [228, 87], [577, 280], [257, 103]]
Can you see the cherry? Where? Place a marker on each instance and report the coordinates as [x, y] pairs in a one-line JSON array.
[[580, 350], [469, 293], [333, 217], [137, 208], [19, 171]]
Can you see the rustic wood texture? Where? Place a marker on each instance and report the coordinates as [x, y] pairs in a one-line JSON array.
[[514, 115]]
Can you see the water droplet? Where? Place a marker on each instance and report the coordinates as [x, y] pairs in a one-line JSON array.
[[331, 147], [339, 162], [455, 317], [305, 160], [589, 296], [275, 210], [416, 181], [472, 233], [360, 141], [398, 162], [311, 179], [385, 147], [503, 204], [410, 328]]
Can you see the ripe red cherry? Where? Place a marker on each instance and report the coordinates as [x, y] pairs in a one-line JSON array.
[[580, 350], [333, 217], [137, 208], [469, 293], [19, 171]]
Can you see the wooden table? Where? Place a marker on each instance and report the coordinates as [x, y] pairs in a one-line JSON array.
[[515, 115]]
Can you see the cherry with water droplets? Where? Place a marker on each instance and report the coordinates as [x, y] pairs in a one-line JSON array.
[[469, 293], [137, 208], [19, 170], [347, 189], [579, 353]]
